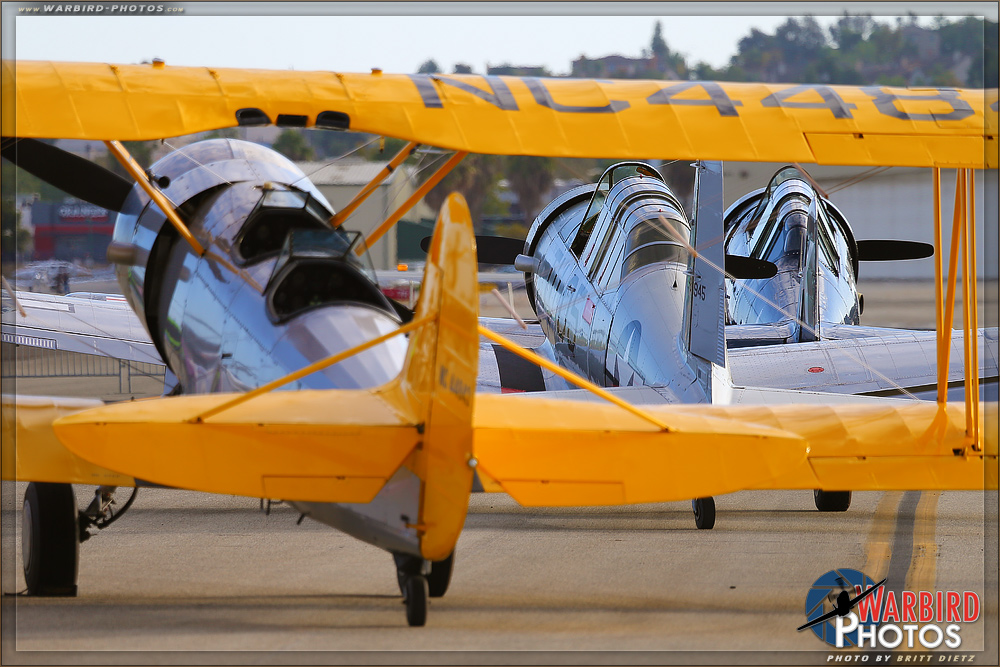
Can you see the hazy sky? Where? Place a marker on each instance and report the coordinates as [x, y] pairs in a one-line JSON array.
[[308, 36]]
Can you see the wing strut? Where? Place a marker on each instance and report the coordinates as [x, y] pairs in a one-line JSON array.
[[366, 191], [571, 377], [169, 210], [963, 248], [133, 168], [417, 195], [308, 370]]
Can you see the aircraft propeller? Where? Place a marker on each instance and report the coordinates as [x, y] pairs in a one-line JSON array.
[[70, 173], [885, 251]]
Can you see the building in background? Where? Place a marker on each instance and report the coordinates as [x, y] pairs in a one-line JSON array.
[[71, 230], [340, 181]]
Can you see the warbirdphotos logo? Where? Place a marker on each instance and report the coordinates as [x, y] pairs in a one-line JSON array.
[[847, 608]]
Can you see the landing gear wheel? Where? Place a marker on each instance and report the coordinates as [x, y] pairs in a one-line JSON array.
[[704, 512], [832, 501], [50, 539], [407, 566], [440, 576], [415, 599]]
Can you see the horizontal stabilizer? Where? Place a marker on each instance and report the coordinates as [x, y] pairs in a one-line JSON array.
[[318, 446], [887, 251], [31, 451]]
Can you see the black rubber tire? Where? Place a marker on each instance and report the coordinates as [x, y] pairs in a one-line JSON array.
[[415, 598], [407, 566], [832, 501], [50, 539], [440, 576], [704, 512]]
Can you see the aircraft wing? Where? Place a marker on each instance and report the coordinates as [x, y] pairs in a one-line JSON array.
[[872, 126], [108, 328], [548, 452], [111, 328], [894, 363]]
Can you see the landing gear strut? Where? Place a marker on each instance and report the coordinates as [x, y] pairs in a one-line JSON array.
[[50, 539], [832, 501], [704, 512], [419, 579]]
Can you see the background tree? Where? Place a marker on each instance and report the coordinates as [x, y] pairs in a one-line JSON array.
[[16, 239], [294, 146], [224, 133], [462, 68], [428, 67], [475, 177], [530, 178], [141, 152], [658, 46]]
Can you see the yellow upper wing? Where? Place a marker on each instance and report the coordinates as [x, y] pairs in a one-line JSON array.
[[513, 115]]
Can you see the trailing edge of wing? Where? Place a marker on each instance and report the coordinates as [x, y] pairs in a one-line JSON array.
[[557, 452], [287, 445], [874, 125], [32, 452]]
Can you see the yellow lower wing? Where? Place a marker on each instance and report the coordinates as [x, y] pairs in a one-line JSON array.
[[31, 450], [287, 445], [547, 452], [558, 452]]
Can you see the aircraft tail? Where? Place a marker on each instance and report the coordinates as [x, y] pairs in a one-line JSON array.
[[808, 323], [438, 382], [707, 334]]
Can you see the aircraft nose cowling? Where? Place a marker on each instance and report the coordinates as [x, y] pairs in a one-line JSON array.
[[187, 177]]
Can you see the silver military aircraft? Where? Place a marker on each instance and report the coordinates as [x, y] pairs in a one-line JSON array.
[[607, 268]]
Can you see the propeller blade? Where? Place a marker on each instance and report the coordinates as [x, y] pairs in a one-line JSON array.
[[490, 249], [887, 251], [749, 268], [70, 173]]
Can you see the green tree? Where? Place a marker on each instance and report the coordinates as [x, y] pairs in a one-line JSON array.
[[530, 178], [428, 67], [991, 56], [849, 31], [14, 236], [462, 68], [475, 177], [382, 150], [224, 133], [141, 152], [658, 47], [21, 182], [294, 146]]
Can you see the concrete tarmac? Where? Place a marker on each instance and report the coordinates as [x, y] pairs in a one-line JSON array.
[[198, 579], [187, 577]]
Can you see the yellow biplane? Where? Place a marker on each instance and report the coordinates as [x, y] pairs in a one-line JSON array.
[[229, 230]]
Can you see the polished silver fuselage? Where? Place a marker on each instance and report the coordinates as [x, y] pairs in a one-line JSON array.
[[782, 223], [265, 300], [616, 308]]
